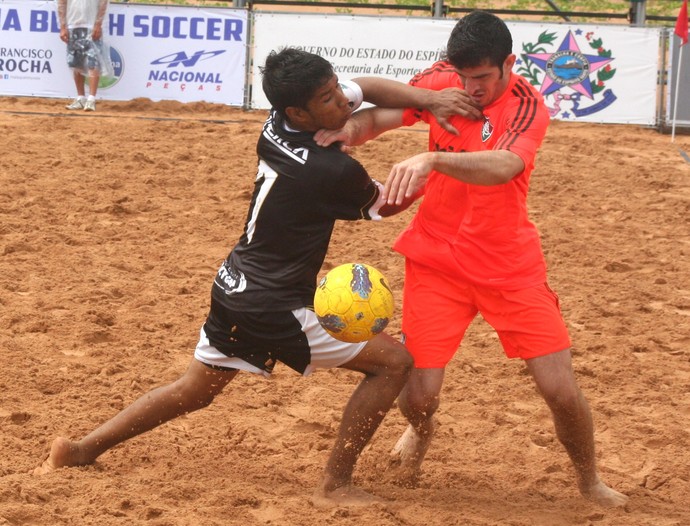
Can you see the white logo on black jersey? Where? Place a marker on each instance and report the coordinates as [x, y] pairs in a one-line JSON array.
[[298, 154], [230, 279]]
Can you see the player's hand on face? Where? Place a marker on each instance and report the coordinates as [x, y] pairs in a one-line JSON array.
[[407, 178], [453, 101]]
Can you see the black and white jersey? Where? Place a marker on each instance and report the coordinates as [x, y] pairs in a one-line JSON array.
[[299, 192]]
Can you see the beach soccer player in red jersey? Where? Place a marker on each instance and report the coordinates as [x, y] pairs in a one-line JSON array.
[[471, 247]]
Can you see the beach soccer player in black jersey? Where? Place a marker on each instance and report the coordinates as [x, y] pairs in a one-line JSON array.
[[260, 303]]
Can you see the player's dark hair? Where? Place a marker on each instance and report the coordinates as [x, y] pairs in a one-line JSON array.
[[291, 77], [478, 37]]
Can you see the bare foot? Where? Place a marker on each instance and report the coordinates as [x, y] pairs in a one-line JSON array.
[[408, 454], [601, 494], [344, 496], [63, 453]]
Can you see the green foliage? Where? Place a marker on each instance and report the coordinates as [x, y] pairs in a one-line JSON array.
[[528, 69], [653, 7]]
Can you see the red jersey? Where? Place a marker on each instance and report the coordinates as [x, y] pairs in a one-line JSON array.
[[480, 233]]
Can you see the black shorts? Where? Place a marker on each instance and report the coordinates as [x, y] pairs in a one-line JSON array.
[[255, 341]]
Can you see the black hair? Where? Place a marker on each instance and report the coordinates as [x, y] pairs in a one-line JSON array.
[[479, 37], [291, 77]]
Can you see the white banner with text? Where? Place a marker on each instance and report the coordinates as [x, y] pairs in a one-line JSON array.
[[604, 74]]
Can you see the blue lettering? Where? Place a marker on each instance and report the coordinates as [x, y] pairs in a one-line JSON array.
[[185, 76], [39, 22], [175, 59], [160, 27], [43, 21], [213, 29], [194, 28], [140, 24], [177, 30], [117, 24], [11, 21], [233, 30]]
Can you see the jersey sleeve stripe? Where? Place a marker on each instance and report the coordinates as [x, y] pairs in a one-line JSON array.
[[527, 111], [439, 67]]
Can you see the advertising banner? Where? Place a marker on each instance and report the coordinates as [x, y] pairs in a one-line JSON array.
[[605, 74], [158, 52]]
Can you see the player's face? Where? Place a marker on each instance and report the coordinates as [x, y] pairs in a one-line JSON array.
[[329, 108], [486, 83]]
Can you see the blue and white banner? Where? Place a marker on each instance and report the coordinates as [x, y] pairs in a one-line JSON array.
[[586, 73], [161, 53]]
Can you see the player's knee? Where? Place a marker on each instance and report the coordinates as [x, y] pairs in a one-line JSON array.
[[421, 402], [407, 364], [401, 362], [564, 398], [199, 401], [204, 399], [193, 399], [390, 358]]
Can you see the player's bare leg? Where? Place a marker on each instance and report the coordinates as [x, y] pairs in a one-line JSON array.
[[192, 391], [418, 402], [94, 77], [573, 422], [386, 365], [79, 83]]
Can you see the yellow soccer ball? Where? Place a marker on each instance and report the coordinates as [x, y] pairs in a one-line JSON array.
[[353, 302]]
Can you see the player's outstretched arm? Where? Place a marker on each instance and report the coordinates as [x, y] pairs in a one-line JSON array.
[[407, 178], [388, 210], [443, 104], [364, 125]]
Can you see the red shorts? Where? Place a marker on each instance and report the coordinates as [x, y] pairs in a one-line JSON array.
[[437, 310]]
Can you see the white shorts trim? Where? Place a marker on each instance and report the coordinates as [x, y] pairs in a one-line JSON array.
[[326, 352], [208, 354]]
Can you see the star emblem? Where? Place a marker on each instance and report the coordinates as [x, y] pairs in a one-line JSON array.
[[568, 67]]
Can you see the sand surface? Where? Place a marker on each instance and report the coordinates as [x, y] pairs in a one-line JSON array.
[[112, 226]]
